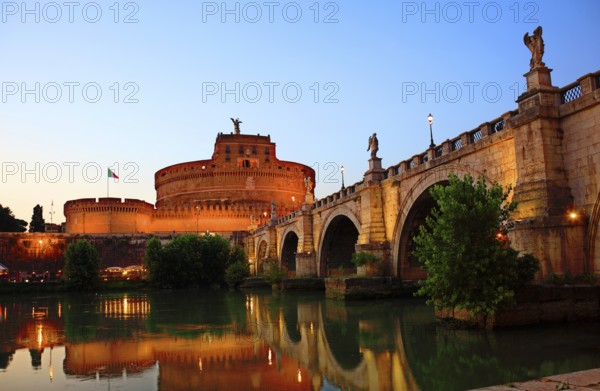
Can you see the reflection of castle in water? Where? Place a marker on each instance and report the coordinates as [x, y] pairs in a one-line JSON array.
[[265, 344], [208, 340]]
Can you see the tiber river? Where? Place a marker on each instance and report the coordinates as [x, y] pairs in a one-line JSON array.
[[262, 341]]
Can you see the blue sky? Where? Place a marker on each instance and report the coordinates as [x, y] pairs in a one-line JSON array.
[[360, 67]]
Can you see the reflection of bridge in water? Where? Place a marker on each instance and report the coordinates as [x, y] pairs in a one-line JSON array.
[[378, 361], [298, 343], [278, 346], [277, 342]]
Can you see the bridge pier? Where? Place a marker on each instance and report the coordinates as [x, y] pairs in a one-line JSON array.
[[545, 200], [306, 259], [372, 237], [306, 264], [272, 242], [382, 251]]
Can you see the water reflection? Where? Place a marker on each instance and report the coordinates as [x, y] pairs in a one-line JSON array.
[[215, 340]]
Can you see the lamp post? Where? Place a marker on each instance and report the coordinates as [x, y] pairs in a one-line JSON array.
[[197, 210], [430, 121], [342, 170]]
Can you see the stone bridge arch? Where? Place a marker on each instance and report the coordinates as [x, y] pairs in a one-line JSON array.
[[338, 237], [290, 237], [415, 206]]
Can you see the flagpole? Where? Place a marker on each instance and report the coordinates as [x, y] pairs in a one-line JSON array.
[[107, 184]]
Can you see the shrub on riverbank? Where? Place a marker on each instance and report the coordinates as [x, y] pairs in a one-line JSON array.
[[236, 273], [466, 252], [82, 265], [190, 261]]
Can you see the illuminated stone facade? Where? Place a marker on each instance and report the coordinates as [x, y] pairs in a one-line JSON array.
[[547, 150], [244, 184]]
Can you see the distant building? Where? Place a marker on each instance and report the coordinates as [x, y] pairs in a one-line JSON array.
[[53, 228], [243, 185]]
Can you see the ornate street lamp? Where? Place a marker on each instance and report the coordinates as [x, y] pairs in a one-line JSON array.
[[342, 170], [197, 215], [430, 121]]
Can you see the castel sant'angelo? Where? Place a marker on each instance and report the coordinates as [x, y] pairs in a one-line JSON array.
[[244, 184]]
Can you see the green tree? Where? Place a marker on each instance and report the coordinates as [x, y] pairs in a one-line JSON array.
[[238, 268], [8, 222], [189, 260], [238, 255], [468, 267], [38, 224], [216, 257], [152, 258], [236, 273], [82, 265], [180, 265]]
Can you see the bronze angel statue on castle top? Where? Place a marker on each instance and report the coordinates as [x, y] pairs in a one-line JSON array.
[[236, 125], [535, 43]]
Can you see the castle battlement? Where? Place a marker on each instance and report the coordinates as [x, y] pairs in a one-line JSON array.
[[233, 190]]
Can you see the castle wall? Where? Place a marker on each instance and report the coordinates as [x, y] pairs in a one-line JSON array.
[[108, 215], [44, 252], [227, 193], [243, 168]]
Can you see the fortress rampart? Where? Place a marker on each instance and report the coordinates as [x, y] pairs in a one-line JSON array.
[[242, 185]]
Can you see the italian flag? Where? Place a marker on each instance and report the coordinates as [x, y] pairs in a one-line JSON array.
[[111, 174]]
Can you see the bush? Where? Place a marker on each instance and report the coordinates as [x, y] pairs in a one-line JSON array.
[[82, 265], [467, 266], [273, 274], [152, 259], [236, 273], [527, 266], [190, 260], [362, 258]]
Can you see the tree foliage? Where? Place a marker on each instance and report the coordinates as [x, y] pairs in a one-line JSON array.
[[468, 267], [8, 222], [82, 265], [361, 258], [236, 273], [190, 260], [38, 224]]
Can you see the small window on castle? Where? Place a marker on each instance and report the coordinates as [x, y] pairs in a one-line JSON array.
[[227, 149], [241, 149], [246, 163], [267, 151], [254, 151], [227, 158], [267, 159]]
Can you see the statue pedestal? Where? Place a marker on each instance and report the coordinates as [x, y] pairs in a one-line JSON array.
[[375, 173], [538, 77]]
